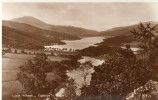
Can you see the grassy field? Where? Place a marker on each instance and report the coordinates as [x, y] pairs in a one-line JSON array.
[[10, 65]]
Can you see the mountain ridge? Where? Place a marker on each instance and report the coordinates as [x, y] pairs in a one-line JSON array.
[[57, 28], [21, 35], [34, 30], [125, 30]]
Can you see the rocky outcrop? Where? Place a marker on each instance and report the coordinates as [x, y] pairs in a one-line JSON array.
[[147, 92]]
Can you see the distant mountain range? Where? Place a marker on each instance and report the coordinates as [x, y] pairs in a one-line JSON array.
[[21, 35], [38, 31], [57, 28], [30, 32], [125, 31]]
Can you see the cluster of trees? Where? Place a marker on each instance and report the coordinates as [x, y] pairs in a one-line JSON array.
[[8, 50], [107, 45], [23, 45], [42, 76], [117, 40], [96, 51], [22, 51], [122, 72], [58, 49]]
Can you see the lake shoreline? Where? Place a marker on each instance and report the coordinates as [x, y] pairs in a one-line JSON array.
[[79, 44]]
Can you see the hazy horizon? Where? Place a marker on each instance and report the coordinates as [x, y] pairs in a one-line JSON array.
[[95, 16]]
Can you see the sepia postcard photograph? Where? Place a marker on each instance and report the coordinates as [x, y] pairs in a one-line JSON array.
[[79, 50]]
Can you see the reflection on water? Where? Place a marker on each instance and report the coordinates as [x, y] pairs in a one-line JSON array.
[[78, 44], [95, 62]]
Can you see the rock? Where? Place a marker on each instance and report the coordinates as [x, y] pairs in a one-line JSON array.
[[147, 92]]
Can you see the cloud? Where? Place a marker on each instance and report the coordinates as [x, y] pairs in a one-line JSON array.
[[98, 16]]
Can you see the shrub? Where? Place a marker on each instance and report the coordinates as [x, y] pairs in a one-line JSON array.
[[15, 51]]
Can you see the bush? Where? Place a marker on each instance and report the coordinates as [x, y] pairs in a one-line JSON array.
[[52, 54], [22, 51], [15, 51]]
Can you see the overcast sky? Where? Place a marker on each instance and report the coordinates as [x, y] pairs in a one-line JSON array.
[[97, 16]]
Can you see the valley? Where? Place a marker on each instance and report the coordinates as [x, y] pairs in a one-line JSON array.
[[64, 50]]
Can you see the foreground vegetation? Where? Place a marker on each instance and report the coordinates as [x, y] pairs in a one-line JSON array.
[[10, 68], [123, 72]]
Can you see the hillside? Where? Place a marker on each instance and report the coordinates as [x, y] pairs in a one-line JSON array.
[[32, 21], [57, 28], [34, 30], [124, 31], [20, 39]]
